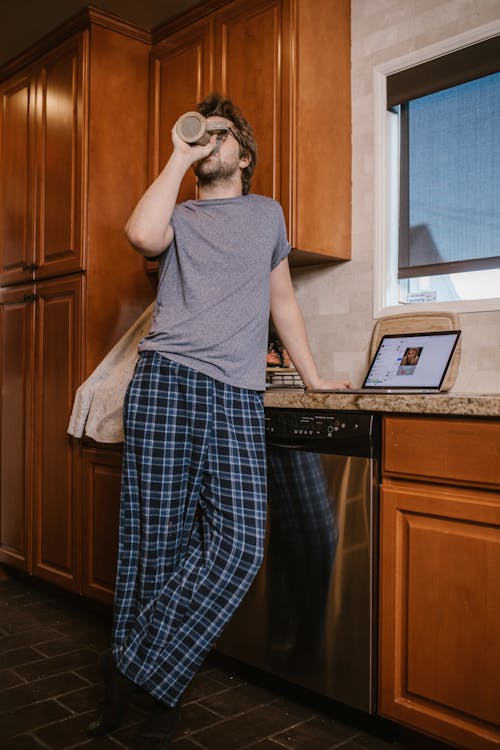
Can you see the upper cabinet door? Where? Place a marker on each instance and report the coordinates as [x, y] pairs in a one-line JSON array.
[[60, 163], [248, 70], [181, 75], [16, 178], [286, 63], [317, 129]]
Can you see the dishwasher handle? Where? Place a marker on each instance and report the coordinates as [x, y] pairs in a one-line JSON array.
[[290, 446], [345, 447]]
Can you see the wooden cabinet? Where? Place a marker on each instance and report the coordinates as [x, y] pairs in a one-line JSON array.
[[440, 573], [57, 367], [287, 65], [73, 163], [42, 119], [235, 51], [17, 336], [248, 38], [101, 508], [59, 159], [40, 367], [68, 178], [17, 177], [117, 287], [316, 192]]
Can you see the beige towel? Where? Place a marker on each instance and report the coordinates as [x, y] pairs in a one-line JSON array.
[[98, 405]]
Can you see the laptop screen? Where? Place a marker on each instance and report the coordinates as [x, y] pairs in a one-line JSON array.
[[414, 360]]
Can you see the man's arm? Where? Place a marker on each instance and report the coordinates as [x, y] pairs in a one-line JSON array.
[[289, 323], [149, 229]]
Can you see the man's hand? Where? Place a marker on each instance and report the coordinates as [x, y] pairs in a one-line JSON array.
[[326, 384], [149, 229], [192, 153]]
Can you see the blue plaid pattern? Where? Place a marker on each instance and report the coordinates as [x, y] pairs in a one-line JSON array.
[[192, 519]]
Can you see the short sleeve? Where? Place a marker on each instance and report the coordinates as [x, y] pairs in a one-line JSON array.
[[282, 247]]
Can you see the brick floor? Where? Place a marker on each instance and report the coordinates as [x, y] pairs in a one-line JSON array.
[[50, 687]]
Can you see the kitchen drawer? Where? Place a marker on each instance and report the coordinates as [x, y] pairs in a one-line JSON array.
[[441, 449]]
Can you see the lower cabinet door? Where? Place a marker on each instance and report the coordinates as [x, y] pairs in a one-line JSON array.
[[56, 487], [16, 439], [101, 507], [440, 611]]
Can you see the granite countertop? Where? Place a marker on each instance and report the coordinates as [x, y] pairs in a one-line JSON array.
[[465, 404]]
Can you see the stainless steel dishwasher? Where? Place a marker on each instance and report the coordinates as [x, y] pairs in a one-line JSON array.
[[310, 616]]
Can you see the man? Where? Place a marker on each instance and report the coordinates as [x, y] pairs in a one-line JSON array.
[[194, 476]]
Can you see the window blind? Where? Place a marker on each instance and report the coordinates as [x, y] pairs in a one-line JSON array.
[[449, 219], [457, 67]]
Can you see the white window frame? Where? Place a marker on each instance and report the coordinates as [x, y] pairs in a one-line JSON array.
[[386, 178]]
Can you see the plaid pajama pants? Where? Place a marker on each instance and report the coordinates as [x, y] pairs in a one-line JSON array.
[[192, 520]]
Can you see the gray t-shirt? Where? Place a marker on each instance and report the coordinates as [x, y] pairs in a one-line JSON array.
[[212, 307]]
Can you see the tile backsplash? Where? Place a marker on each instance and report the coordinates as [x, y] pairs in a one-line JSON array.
[[337, 300]]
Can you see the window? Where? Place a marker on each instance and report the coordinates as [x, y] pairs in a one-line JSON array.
[[442, 179]]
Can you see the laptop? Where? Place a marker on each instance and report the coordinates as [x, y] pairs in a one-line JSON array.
[[409, 363]]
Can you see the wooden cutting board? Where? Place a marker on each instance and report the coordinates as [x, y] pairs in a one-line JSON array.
[[416, 323]]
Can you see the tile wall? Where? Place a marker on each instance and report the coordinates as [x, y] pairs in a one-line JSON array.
[[337, 301]]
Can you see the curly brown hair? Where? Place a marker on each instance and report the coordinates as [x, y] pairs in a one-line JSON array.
[[215, 105]]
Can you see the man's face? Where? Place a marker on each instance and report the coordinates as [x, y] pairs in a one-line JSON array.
[[223, 162]]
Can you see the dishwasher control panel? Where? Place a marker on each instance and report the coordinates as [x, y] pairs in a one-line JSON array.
[[289, 424], [324, 431]]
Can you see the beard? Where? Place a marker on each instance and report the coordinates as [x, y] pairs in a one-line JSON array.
[[213, 172]]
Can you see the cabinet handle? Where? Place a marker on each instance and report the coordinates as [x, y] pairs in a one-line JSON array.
[[31, 267], [30, 297]]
